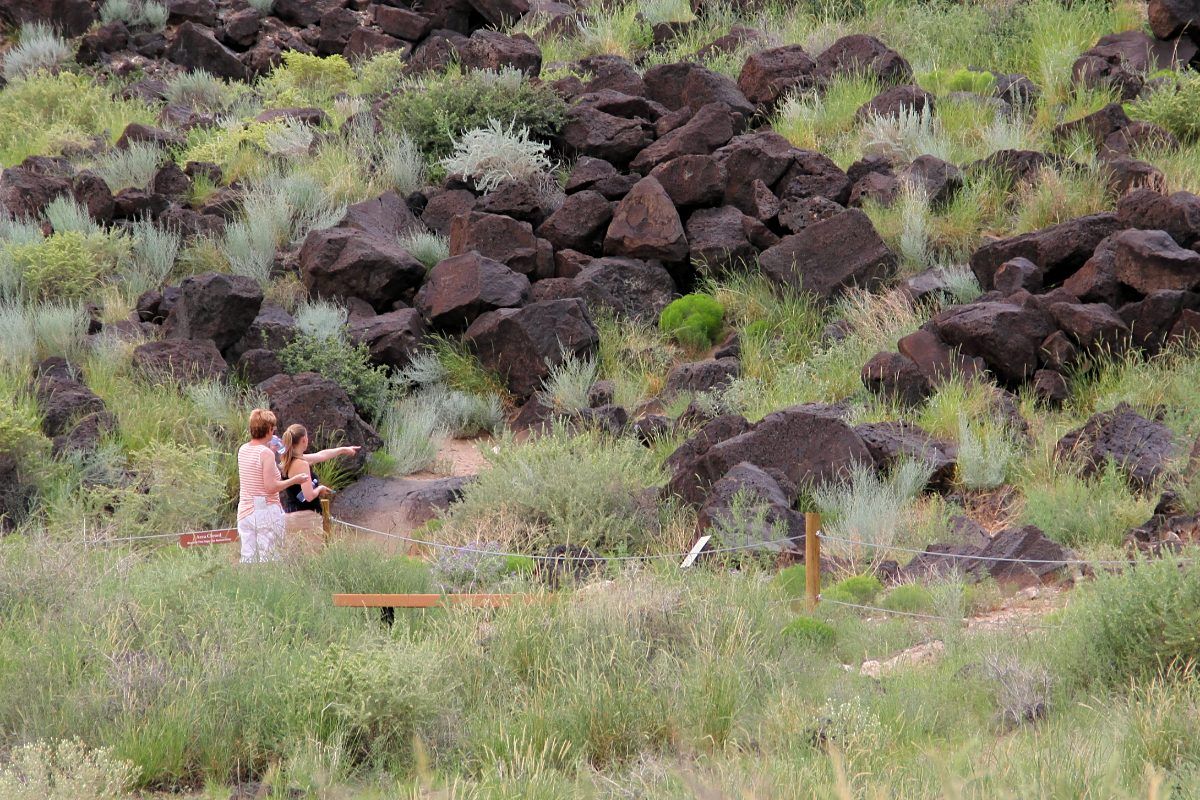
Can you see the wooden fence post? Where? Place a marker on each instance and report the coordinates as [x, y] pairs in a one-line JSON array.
[[326, 521], [812, 558]]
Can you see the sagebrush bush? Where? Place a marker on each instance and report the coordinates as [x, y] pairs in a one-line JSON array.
[[425, 246], [410, 431], [65, 770], [151, 257], [346, 364], [565, 389], [433, 111], [149, 13], [38, 48], [494, 153], [873, 508], [131, 167], [321, 319], [986, 451], [1130, 626], [66, 266], [694, 320], [66, 214], [200, 90]]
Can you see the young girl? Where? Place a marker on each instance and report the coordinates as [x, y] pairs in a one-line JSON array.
[[306, 495]]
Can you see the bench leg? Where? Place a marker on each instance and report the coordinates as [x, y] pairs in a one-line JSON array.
[[387, 616]]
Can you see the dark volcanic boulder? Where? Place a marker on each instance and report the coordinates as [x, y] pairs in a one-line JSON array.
[[1170, 18], [724, 238], [1141, 447], [1021, 556], [710, 128], [768, 75], [194, 46], [897, 378], [860, 54], [214, 306], [692, 180], [748, 506], [460, 288], [345, 263], [272, 329], [71, 17], [1005, 335], [26, 193], [386, 215], [180, 360], [322, 407], [628, 287], [393, 338], [814, 174], [1093, 326], [1059, 250], [895, 101], [686, 482], [702, 376], [1152, 318], [1178, 214], [494, 50], [646, 225], [64, 400], [684, 84], [938, 179], [890, 442], [579, 223], [522, 344], [1151, 261], [828, 256], [810, 444], [503, 239], [588, 131]]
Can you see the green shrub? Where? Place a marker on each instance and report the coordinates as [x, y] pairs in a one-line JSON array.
[[941, 81], [65, 266], [810, 631], [1083, 511], [1173, 106], [434, 111], [910, 597], [346, 364], [306, 80], [791, 580], [1131, 626], [694, 320], [856, 589]]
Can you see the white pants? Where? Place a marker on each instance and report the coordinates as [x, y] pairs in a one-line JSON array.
[[261, 533]]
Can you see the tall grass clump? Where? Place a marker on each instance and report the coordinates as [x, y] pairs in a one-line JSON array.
[[131, 167], [66, 214], [872, 508], [1172, 105], [495, 153], [38, 48], [825, 121], [1083, 512], [135, 13], [566, 387], [151, 257], [560, 488], [463, 409], [986, 452], [200, 90], [427, 247], [410, 431]]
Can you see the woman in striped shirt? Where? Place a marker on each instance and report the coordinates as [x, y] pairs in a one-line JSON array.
[[260, 516]]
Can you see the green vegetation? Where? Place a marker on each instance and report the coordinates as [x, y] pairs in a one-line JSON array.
[[693, 320], [345, 363], [1171, 105]]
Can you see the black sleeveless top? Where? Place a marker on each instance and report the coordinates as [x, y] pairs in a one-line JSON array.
[[291, 501]]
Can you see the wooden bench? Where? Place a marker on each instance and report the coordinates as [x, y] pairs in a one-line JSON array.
[[388, 603]]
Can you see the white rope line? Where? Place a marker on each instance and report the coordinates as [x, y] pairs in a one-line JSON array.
[[966, 557], [932, 617], [488, 552]]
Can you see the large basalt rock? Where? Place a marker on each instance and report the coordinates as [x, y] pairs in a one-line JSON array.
[[748, 506], [344, 263], [831, 255], [686, 482], [523, 344], [770, 74], [180, 360], [860, 54], [194, 47], [936, 360], [711, 127], [1151, 319], [1145, 54], [386, 215], [938, 179], [897, 378], [646, 225], [272, 329], [751, 161], [493, 50], [692, 180], [63, 399], [1095, 327], [579, 223], [462, 287], [71, 17], [588, 131], [894, 101], [814, 174], [1005, 335], [702, 376], [1140, 447], [1171, 18], [1059, 250], [322, 407], [1105, 68], [503, 239], [891, 442], [810, 444], [684, 84], [627, 287], [25, 193], [1178, 214], [1151, 261], [1014, 556], [214, 306], [392, 338], [724, 239]]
